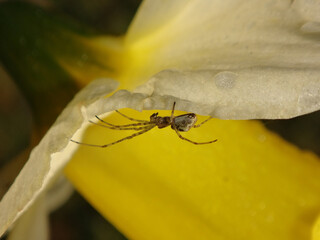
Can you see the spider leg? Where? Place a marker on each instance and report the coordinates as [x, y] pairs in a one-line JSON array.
[[130, 118], [126, 125], [172, 112], [197, 143], [148, 128], [121, 127], [198, 125]]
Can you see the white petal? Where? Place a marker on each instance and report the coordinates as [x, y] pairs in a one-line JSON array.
[[270, 48], [308, 9], [48, 158], [33, 225], [226, 34], [255, 93]]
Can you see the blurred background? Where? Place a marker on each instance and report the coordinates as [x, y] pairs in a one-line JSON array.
[[77, 219]]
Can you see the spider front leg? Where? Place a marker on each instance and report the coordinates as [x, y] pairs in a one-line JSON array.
[[130, 118], [121, 126], [146, 129]]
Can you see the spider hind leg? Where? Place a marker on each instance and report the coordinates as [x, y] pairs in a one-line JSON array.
[[198, 125], [130, 118], [188, 140]]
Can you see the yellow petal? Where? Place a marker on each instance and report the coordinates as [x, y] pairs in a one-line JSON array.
[[249, 185], [316, 230]]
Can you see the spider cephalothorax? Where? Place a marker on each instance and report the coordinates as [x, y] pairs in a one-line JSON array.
[[161, 122]]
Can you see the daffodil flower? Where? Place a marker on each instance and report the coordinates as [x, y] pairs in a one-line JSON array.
[[232, 60]]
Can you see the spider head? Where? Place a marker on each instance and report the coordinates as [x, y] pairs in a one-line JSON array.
[[153, 117]]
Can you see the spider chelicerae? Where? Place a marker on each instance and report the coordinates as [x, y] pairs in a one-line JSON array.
[[181, 123]]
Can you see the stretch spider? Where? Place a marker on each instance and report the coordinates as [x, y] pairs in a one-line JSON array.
[[182, 123]]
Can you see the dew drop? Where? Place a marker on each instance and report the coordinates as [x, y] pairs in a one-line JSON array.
[[225, 80]]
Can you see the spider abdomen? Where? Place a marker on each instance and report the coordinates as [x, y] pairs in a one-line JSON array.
[[184, 123]]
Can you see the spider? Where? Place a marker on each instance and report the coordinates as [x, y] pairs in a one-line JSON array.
[[181, 123]]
